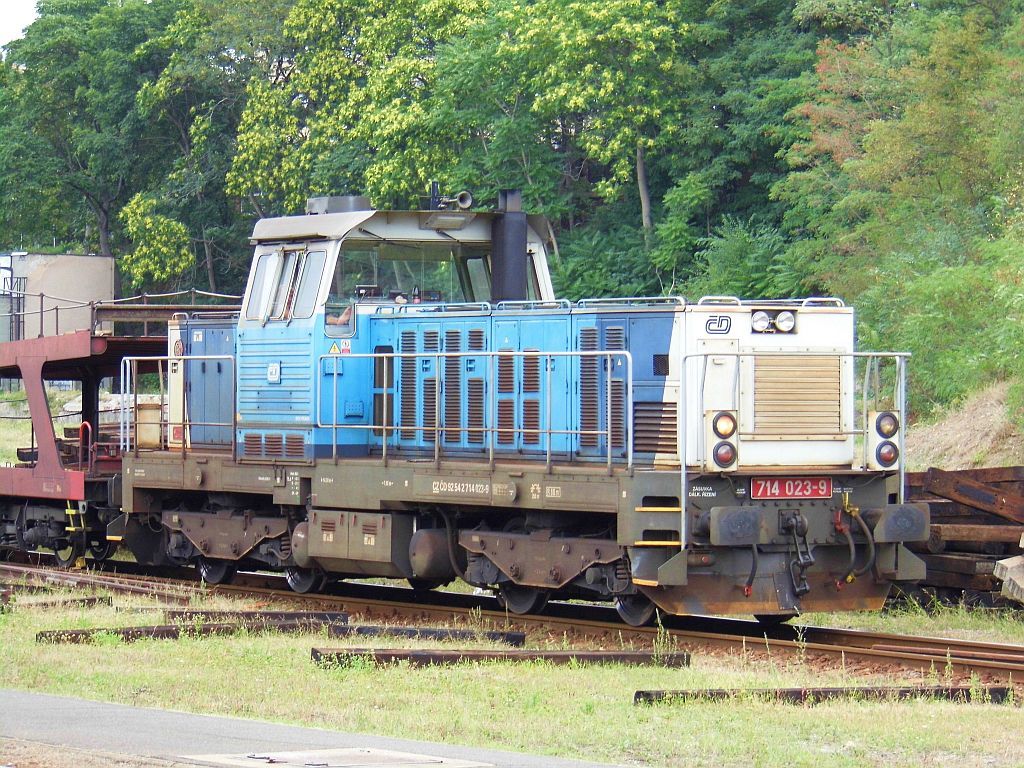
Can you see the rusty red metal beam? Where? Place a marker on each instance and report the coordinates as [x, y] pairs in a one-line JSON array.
[[426, 657], [996, 694]]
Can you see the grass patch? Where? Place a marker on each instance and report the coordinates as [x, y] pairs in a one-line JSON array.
[[573, 711]]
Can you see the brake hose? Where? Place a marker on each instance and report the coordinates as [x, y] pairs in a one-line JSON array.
[[748, 588]]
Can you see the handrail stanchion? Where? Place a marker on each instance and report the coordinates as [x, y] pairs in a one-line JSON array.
[[334, 413], [549, 363], [384, 410], [608, 408], [492, 408], [437, 411]]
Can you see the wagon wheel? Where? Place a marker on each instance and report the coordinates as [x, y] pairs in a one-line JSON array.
[[68, 555], [216, 571], [518, 599], [303, 580], [635, 610]]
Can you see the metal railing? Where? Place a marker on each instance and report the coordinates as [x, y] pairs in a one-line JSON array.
[[128, 430], [490, 426], [873, 363]]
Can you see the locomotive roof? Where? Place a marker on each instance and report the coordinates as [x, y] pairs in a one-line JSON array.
[[444, 226]]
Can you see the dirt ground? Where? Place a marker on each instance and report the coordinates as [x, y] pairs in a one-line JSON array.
[[975, 434], [15, 753]]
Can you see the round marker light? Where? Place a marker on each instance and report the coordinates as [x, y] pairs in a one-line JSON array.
[[785, 321], [724, 425], [760, 322], [725, 454], [887, 424], [886, 453]]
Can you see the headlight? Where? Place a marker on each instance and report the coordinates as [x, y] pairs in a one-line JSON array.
[[723, 425], [887, 453], [785, 321], [760, 321], [887, 424], [725, 454]]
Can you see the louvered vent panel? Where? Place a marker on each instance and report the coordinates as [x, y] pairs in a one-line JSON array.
[[614, 337], [273, 446], [407, 386], [369, 529], [506, 373], [431, 341], [295, 447], [589, 368], [253, 445], [429, 409], [655, 427], [453, 388], [797, 395], [475, 391], [531, 373], [531, 421], [506, 421], [618, 413], [327, 526], [476, 339]]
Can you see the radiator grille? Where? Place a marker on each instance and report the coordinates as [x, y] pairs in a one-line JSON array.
[[476, 339], [655, 427], [452, 388], [475, 414], [797, 395], [407, 386], [253, 445], [273, 446], [506, 421], [506, 373], [589, 367], [531, 421], [618, 413], [295, 446], [429, 409], [531, 373]]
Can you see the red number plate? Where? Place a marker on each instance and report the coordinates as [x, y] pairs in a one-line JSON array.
[[791, 488]]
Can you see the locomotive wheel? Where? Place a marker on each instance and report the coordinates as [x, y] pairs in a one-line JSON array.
[[215, 571], [635, 610], [520, 600], [303, 580], [101, 550], [773, 619], [67, 556], [425, 585]]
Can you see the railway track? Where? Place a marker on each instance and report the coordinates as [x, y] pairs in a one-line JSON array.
[[860, 650]]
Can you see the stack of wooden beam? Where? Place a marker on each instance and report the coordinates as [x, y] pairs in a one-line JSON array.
[[977, 532]]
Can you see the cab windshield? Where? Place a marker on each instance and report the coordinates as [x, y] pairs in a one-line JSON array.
[[411, 272]]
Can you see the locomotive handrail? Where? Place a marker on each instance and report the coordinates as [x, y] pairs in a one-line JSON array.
[[873, 358], [490, 426], [812, 301], [503, 306], [129, 428], [620, 301], [704, 300]]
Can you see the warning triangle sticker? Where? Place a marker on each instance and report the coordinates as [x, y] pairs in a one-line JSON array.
[[334, 349]]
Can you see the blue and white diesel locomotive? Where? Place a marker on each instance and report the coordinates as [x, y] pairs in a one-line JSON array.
[[403, 396]]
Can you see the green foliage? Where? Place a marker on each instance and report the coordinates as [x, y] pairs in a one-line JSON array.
[[161, 243], [868, 150]]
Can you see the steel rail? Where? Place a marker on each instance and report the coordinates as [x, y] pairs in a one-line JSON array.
[[947, 656]]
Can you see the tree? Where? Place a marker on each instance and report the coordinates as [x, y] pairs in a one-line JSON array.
[[81, 67]]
